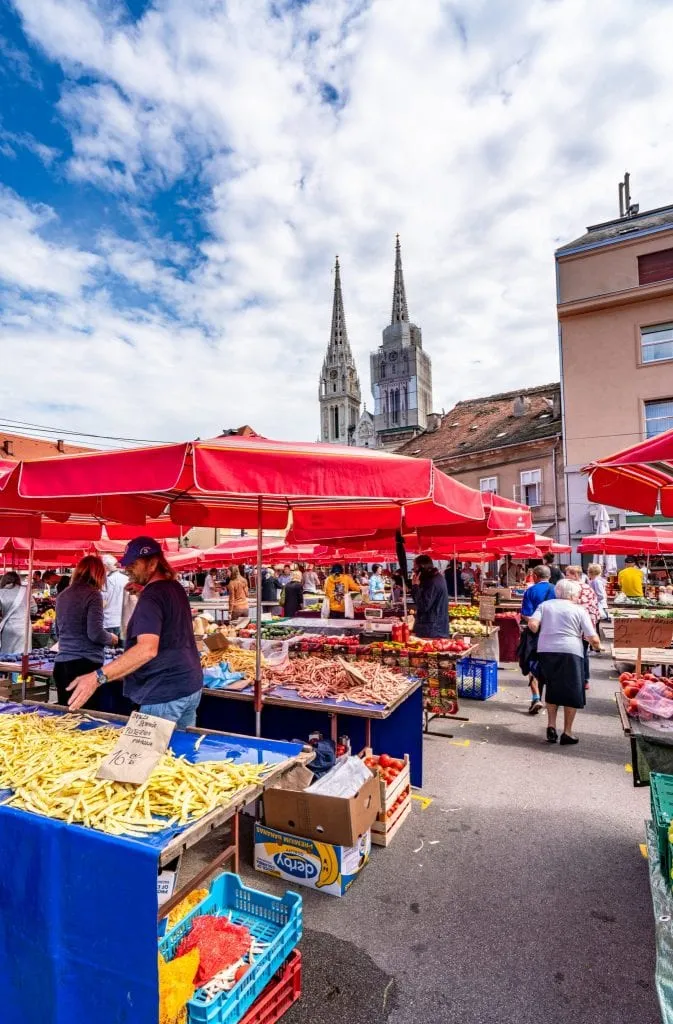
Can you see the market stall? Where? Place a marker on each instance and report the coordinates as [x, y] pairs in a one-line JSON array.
[[80, 903]]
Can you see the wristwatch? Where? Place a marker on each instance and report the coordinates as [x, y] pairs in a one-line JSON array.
[[101, 677]]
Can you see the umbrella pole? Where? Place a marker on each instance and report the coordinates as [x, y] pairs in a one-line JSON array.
[[258, 631], [455, 579], [27, 628]]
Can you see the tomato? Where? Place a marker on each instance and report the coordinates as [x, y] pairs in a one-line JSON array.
[[631, 691], [626, 677], [384, 761], [397, 763]]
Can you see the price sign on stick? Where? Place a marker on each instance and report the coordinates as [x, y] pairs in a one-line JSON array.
[[487, 609], [140, 745], [643, 632]]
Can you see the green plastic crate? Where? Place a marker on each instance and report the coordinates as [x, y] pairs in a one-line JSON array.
[[661, 803]]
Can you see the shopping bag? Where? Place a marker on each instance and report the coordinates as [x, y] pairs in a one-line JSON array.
[[349, 611], [324, 608]]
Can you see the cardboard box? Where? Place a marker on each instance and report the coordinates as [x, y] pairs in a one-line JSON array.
[[335, 820], [216, 642], [327, 868]]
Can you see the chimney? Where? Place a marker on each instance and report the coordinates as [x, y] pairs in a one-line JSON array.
[[520, 406], [434, 422], [8, 446], [60, 445]]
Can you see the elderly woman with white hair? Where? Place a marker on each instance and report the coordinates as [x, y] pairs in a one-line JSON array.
[[562, 625]]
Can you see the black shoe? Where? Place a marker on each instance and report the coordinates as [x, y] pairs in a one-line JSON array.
[[552, 735], [566, 740]]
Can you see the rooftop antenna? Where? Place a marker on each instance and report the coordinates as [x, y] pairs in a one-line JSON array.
[[626, 207]]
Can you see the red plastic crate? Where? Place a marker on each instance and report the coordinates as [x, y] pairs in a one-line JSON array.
[[279, 994]]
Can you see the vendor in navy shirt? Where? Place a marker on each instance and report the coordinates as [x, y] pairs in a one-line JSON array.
[[161, 666], [541, 591]]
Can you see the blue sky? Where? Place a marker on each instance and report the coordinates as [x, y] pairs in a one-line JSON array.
[[176, 178]]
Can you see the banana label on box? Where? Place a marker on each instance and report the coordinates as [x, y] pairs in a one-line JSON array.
[[321, 866]]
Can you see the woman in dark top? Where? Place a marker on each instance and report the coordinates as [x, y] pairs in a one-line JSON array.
[[431, 599], [79, 625], [294, 595]]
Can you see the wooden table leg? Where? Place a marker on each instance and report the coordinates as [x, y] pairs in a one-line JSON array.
[[229, 853]]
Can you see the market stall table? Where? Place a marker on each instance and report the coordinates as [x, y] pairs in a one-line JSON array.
[[80, 905], [649, 655], [395, 729], [651, 743]]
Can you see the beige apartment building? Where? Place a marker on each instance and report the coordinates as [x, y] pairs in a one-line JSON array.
[[615, 316], [510, 444]]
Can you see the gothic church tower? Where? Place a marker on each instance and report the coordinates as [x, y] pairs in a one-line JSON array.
[[339, 390], [401, 373]]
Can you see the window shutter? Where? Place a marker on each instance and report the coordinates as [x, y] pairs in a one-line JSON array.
[[655, 266]]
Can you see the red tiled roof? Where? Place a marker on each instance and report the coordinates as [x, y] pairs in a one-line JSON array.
[[480, 424], [22, 448]]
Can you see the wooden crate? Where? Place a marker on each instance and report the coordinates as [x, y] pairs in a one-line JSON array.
[[389, 794], [383, 832]]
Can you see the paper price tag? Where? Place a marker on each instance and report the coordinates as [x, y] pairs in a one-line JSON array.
[[141, 743]]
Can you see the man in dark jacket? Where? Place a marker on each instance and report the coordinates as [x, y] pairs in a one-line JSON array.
[[554, 571], [431, 599]]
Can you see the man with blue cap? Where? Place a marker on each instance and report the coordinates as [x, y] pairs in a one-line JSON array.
[[161, 667]]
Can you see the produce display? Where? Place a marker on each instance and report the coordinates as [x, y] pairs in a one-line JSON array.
[[316, 678], [467, 627], [50, 764], [647, 694], [656, 614], [44, 623], [271, 631], [463, 611], [237, 659], [416, 645], [387, 768]]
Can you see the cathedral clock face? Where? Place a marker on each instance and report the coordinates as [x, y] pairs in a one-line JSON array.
[[334, 374], [393, 356]]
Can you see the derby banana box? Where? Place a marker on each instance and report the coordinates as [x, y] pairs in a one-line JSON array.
[[320, 866]]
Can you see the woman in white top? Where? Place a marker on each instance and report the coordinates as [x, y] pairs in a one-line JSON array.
[[562, 625], [13, 597], [211, 588], [597, 584]]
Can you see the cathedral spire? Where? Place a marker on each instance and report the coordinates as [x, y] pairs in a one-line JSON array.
[[400, 312], [338, 341]]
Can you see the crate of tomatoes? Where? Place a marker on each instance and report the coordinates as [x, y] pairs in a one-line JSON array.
[[395, 781]]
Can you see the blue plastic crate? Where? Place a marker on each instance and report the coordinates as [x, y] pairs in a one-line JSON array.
[[476, 678], [273, 919]]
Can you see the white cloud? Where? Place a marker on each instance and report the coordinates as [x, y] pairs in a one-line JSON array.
[[485, 133]]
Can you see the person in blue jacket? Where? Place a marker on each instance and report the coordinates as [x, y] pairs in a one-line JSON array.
[[431, 599], [541, 591]]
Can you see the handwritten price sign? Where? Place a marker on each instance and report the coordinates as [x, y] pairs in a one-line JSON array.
[[140, 745], [642, 633]]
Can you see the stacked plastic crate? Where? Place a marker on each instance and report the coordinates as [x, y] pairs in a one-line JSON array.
[[269, 981]]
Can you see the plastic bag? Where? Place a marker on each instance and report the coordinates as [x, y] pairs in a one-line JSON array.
[[324, 608], [651, 700], [349, 611], [346, 778]]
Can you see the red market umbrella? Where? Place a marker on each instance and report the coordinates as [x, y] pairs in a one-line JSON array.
[[243, 482], [641, 540], [639, 478]]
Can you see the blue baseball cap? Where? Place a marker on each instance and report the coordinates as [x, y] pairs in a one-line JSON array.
[[140, 547]]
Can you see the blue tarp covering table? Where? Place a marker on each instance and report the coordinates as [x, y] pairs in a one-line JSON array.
[[78, 921], [396, 730]]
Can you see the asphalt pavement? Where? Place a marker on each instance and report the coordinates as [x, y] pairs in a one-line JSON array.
[[517, 895]]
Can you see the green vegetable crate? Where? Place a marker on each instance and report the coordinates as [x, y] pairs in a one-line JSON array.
[[661, 803]]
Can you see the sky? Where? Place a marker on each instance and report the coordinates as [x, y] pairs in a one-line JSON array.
[[177, 176]]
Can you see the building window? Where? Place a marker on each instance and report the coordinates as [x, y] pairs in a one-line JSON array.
[[656, 342], [658, 416], [655, 266], [488, 484], [335, 421], [531, 487], [395, 406]]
